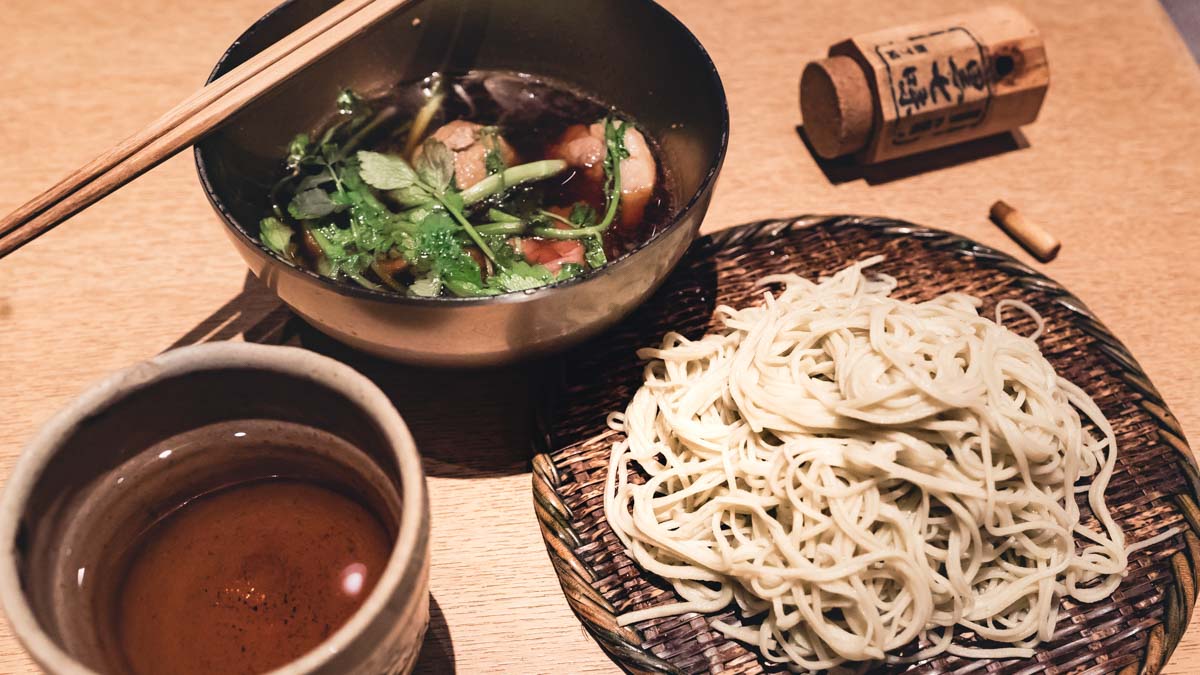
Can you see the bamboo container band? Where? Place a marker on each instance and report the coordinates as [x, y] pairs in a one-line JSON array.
[[908, 89]]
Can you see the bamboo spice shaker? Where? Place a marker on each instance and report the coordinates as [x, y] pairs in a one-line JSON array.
[[905, 90]]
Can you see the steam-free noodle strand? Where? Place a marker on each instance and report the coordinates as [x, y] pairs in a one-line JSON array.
[[856, 471]]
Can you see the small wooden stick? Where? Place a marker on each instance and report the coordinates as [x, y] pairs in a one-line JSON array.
[[1043, 245]]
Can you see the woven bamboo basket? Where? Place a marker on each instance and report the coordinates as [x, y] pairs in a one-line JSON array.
[[1156, 486]]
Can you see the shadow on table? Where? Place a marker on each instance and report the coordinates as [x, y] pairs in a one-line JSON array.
[[845, 169], [256, 314], [467, 423], [437, 652]]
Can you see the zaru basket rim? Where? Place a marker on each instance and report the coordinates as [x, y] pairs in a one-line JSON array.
[[1134, 632]]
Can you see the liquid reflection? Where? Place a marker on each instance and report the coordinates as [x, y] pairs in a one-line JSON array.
[[353, 579]]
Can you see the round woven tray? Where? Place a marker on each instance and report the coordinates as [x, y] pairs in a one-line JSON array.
[[1156, 486]]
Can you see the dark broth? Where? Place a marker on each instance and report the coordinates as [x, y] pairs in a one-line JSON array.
[[247, 578]]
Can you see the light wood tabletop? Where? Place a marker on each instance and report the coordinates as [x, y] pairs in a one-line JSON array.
[[1110, 167]]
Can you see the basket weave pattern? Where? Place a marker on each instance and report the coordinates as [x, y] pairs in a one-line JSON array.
[[1156, 485]]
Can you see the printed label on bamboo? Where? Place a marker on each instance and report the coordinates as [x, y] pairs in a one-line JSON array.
[[938, 83]]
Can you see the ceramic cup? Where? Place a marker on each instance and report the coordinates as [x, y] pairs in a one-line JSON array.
[[184, 423]]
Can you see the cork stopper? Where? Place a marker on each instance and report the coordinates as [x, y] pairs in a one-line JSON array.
[[836, 102]]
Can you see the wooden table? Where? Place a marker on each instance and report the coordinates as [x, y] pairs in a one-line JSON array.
[[1111, 167]]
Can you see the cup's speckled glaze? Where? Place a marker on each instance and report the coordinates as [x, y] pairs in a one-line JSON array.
[[97, 473], [632, 54]]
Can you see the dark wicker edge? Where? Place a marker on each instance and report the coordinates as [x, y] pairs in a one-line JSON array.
[[624, 644]]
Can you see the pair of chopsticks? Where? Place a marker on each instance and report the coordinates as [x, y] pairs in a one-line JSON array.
[[190, 119]]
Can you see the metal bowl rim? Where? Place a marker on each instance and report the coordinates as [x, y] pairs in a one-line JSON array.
[[343, 288]]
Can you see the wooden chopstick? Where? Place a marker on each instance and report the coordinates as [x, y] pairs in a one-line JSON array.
[[190, 119], [189, 106]]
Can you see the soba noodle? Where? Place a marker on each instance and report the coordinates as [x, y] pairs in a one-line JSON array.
[[856, 472]]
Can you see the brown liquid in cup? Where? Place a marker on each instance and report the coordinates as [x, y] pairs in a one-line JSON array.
[[247, 578]]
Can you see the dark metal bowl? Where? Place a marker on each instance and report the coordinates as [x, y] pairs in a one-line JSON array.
[[630, 53]]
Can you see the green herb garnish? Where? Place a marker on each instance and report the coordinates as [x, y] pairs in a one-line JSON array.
[[278, 237], [511, 177], [440, 254], [342, 199], [431, 178], [493, 158], [615, 151]]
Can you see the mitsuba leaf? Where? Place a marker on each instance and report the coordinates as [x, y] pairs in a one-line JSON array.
[[436, 222], [311, 204], [614, 140], [568, 271], [277, 236], [593, 252], [439, 251], [418, 214], [298, 151], [583, 215], [493, 161], [614, 152], [376, 229], [396, 176], [333, 240], [314, 180], [520, 276], [507, 254], [369, 235], [429, 286], [349, 103], [523, 202], [386, 172], [336, 247], [453, 200], [435, 165]]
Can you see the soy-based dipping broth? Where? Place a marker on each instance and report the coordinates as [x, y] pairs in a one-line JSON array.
[[467, 186]]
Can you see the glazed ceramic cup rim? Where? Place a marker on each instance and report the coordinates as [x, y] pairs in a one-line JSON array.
[[292, 361]]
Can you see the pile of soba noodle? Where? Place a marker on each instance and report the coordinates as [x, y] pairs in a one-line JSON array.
[[856, 471]]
